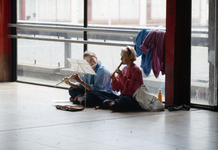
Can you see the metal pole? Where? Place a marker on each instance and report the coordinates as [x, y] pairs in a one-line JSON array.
[[67, 53], [14, 42], [76, 29], [216, 53], [70, 41], [85, 36]]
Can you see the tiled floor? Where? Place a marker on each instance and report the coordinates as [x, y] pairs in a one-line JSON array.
[[29, 121]]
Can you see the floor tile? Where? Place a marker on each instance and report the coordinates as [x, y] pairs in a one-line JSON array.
[[29, 120]]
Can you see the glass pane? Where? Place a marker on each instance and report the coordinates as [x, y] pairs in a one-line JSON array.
[[41, 52], [202, 54], [44, 62], [122, 14], [126, 14], [110, 57], [64, 11]]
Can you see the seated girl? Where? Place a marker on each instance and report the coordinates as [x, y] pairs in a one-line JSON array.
[[96, 85], [127, 82]]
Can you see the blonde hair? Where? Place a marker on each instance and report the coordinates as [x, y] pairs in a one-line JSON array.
[[89, 53], [129, 51]]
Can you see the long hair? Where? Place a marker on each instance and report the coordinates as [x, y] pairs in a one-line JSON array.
[[130, 52]]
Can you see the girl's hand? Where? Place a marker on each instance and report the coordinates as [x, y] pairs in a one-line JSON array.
[[119, 72], [67, 81], [76, 77], [112, 76]]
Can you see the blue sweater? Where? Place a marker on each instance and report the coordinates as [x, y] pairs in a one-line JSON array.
[[146, 58], [100, 82]]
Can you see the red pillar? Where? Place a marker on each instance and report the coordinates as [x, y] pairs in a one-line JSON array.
[[5, 43], [22, 10], [178, 52], [148, 9], [89, 10], [169, 52]]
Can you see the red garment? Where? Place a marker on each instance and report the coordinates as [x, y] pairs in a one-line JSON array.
[[129, 82], [155, 41]]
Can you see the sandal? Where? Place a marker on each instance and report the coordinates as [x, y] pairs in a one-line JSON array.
[[75, 100], [69, 108], [106, 103]]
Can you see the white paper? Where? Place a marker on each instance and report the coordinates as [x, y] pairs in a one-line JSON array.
[[81, 66]]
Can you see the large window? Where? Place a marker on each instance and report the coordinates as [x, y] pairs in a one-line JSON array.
[[126, 14], [53, 30], [143, 13], [45, 62], [203, 75], [67, 11]]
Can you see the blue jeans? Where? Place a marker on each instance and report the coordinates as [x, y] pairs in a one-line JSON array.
[[127, 103], [74, 92], [93, 98]]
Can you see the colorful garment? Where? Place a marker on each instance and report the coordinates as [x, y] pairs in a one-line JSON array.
[[145, 58], [129, 82], [155, 41]]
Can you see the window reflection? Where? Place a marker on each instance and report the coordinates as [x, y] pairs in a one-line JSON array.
[[33, 55], [202, 53]]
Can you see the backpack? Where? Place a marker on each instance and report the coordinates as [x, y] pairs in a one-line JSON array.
[[146, 100]]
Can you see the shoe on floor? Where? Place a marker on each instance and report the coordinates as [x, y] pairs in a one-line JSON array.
[[80, 99], [75, 100], [71, 99]]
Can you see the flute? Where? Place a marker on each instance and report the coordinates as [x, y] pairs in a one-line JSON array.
[[68, 78], [116, 69]]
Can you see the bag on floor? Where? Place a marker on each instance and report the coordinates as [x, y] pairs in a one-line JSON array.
[[146, 100]]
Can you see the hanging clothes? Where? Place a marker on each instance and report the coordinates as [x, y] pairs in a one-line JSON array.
[[145, 58], [155, 42]]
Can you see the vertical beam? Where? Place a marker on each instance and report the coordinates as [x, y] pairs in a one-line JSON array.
[[85, 35], [5, 43], [149, 10], [13, 41], [169, 51], [67, 53], [178, 52], [182, 76], [216, 55], [89, 7], [143, 12], [211, 50], [74, 11], [22, 10]]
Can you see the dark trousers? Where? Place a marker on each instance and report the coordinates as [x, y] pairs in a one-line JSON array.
[[127, 103], [93, 98]]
